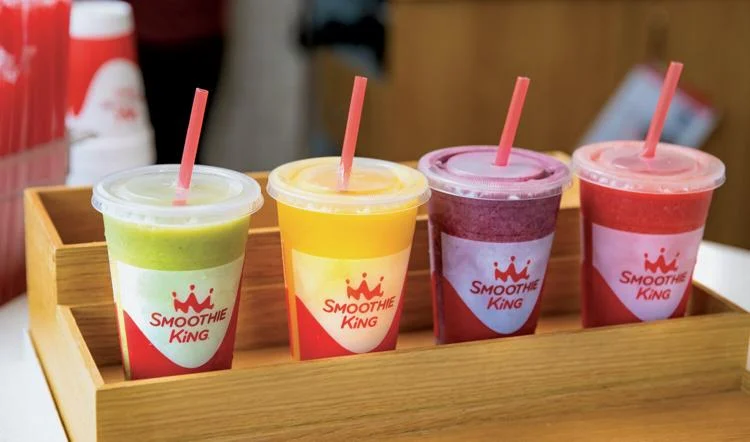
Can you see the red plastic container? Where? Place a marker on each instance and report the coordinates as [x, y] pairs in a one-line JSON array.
[[41, 166], [642, 223], [33, 148]]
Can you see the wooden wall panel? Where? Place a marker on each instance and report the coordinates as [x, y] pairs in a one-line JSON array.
[[451, 66]]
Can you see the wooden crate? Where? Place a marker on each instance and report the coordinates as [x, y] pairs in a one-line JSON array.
[[418, 386]]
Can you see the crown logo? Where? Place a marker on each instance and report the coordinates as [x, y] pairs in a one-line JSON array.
[[511, 272], [661, 263], [364, 289], [192, 302]]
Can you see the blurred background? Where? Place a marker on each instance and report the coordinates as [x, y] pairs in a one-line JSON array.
[[441, 74]]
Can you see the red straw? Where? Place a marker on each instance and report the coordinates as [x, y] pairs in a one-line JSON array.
[[662, 108], [191, 146], [352, 130], [511, 121]]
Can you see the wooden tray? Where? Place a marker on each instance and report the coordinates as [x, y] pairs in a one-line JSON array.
[[420, 386]]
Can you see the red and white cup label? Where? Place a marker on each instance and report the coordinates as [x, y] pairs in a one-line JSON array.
[[183, 314], [355, 301], [499, 282], [114, 103], [649, 273]]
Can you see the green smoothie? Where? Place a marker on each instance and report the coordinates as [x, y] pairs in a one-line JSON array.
[[176, 248], [176, 270]]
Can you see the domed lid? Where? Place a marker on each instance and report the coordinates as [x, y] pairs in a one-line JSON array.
[[145, 195], [470, 171], [374, 186], [673, 169]]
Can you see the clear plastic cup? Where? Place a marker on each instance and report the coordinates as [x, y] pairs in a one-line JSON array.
[[491, 232], [345, 253], [642, 223], [176, 269]]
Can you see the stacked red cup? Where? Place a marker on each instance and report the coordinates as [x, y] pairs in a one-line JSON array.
[[33, 149], [107, 115]]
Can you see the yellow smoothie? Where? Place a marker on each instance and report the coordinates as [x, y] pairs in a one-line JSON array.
[[345, 253]]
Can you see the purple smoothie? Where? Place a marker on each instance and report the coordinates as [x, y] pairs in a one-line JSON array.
[[491, 231]]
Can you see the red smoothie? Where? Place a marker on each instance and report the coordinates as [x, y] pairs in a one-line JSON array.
[[642, 223]]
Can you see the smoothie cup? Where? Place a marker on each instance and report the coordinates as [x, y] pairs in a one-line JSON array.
[[345, 252], [642, 223], [176, 268], [491, 231]]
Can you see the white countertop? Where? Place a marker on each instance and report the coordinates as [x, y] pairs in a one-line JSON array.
[[27, 411], [725, 270]]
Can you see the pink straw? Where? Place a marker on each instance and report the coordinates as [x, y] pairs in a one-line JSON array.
[[191, 146], [662, 108], [352, 130], [511, 121]]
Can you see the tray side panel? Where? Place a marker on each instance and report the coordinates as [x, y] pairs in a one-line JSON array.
[[71, 372], [98, 327], [83, 275], [395, 393], [567, 240], [82, 271], [75, 219], [263, 319], [706, 301], [41, 243]]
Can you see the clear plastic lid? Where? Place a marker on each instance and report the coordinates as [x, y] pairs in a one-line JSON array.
[[470, 171], [144, 195], [673, 169], [374, 186]]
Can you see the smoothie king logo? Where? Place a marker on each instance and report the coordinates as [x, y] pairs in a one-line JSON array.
[[499, 282], [362, 305], [649, 273], [505, 292], [354, 301], [657, 277], [189, 327]]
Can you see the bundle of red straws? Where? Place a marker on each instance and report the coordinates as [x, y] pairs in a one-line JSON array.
[[33, 150]]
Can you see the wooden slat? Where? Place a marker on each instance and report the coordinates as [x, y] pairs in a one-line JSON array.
[[562, 288], [82, 274], [706, 301], [98, 326], [387, 394], [715, 417], [71, 372], [262, 320], [42, 240], [71, 211], [250, 358], [83, 271], [266, 216], [567, 240]]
